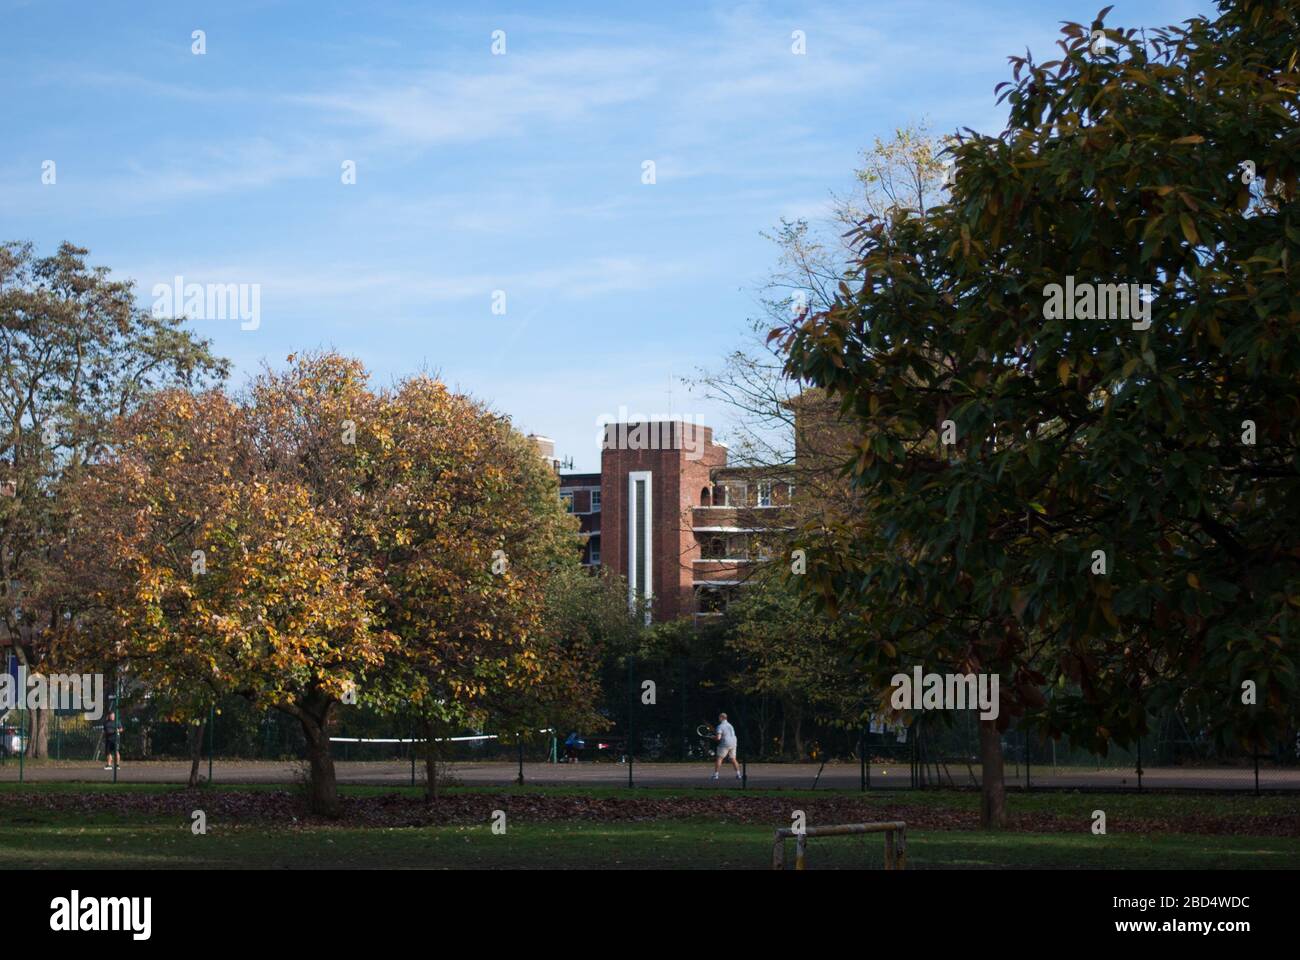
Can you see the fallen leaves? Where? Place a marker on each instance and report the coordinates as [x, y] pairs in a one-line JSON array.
[[279, 808]]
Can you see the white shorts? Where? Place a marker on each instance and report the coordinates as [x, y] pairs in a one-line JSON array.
[[724, 752]]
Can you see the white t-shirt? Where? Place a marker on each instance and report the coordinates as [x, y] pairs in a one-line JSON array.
[[727, 733]]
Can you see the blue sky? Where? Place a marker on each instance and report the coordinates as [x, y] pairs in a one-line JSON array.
[[519, 172]]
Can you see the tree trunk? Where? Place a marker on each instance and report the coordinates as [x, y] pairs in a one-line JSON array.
[[314, 713], [431, 781], [38, 742], [764, 729], [993, 794], [792, 716], [196, 750], [324, 789]]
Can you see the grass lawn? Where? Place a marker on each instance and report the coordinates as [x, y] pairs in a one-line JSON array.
[[94, 835]]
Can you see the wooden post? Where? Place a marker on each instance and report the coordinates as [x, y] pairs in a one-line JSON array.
[[800, 847], [778, 851], [889, 850]]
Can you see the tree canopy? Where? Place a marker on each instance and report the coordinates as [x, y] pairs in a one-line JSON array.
[[76, 352], [1079, 499], [316, 542]]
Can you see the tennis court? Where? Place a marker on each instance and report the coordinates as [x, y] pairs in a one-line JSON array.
[[844, 776]]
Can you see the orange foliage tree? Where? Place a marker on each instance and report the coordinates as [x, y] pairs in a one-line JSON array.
[[390, 548]]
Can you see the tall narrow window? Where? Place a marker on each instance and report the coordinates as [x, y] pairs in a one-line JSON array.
[[640, 545], [640, 539]]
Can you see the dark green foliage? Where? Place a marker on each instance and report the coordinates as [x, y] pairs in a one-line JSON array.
[[1079, 435]]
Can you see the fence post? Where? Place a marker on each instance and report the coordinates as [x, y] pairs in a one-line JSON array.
[[912, 754], [1026, 759], [778, 851], [519, 738], [741, 715], [866, 739], [212, 739], [862, 761], [631, 664], [891, 861], [683, 742], [800, 849]]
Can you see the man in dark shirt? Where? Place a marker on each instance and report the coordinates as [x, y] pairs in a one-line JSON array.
[[112, 728]]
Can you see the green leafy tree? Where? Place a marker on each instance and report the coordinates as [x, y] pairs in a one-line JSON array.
[[788, 650], [1115, 515], [586, 620]]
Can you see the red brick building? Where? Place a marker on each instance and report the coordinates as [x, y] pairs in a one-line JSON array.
[[668, 514]]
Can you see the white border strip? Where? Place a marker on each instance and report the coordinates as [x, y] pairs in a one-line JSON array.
[[632, 478]]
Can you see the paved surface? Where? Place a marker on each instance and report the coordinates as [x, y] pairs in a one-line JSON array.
[[784, 775]]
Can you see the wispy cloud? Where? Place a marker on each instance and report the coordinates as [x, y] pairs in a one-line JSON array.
[[520, 94]]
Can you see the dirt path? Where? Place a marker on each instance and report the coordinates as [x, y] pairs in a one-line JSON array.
[[760, 775]]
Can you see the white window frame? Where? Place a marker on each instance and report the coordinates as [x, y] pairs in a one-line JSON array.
[[633, 477]]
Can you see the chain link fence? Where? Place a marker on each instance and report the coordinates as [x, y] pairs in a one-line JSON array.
[[669, 709], [661, 715]]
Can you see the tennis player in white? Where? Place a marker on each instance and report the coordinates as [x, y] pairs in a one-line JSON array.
[[725, 734]]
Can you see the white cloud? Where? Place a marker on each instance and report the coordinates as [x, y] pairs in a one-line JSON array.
[[505, 97]]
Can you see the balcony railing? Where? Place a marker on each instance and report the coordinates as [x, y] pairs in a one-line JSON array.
[[737, 519]]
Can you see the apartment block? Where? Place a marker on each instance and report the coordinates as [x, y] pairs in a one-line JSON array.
[[670, 516]]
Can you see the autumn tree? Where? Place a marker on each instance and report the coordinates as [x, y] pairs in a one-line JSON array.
[[906, 172], [75, 352], [133, 566], [200, 574], [316, 543], [468, 532], [1098, 499]]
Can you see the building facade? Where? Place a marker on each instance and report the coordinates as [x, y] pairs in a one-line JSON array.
[[670, 516]]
